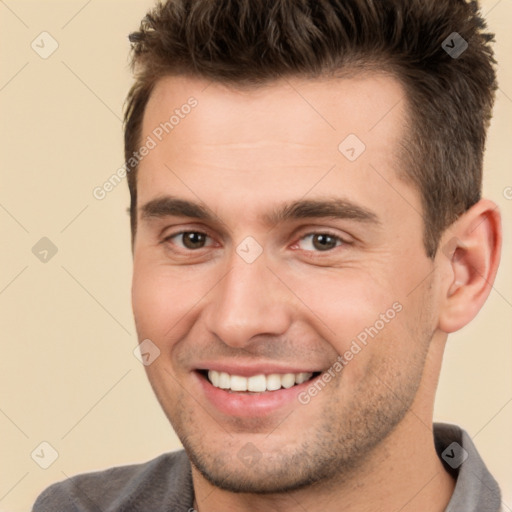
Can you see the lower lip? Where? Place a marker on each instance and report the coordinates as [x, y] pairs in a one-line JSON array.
[[250, 404]]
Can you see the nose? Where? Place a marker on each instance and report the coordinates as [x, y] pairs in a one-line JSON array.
[[249, 301]]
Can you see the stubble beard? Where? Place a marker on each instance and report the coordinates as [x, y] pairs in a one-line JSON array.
[[341, 440]]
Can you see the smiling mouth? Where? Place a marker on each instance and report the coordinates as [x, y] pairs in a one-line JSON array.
[[260, 383]]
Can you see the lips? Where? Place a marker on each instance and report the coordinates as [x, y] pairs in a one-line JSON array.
[[251, 390]]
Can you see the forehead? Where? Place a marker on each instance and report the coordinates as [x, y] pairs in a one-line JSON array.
[[279, 139], [359, 104]]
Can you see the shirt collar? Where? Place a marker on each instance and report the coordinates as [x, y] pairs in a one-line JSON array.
[[475, 488]]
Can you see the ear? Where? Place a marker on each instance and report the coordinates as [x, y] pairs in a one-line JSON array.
[[469, 257]]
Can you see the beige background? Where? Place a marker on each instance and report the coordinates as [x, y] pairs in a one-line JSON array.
[[68, 373]]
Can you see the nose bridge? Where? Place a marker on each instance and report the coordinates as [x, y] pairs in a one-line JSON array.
[[248, 302]]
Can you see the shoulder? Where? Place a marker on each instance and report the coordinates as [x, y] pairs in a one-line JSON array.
[[159, 484]]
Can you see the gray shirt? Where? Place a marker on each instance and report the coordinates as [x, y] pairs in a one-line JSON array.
[[164, 484]]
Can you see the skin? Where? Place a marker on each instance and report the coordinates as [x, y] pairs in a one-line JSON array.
[[366, 439]]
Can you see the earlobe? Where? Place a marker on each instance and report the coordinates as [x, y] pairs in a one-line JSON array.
[[469, 256]]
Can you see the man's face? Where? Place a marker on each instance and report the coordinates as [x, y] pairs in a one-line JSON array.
[[298, 249]]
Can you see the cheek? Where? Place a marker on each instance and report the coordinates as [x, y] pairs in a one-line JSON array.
[[345, 301], [357, 315], [158, 301], [167, 300]]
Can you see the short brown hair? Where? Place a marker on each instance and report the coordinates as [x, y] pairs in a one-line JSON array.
[[251, 42]]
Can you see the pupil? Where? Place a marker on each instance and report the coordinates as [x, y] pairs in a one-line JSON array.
[[324, 242], [193, 240]]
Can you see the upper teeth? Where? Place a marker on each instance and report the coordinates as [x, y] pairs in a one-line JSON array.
[[256, 383]]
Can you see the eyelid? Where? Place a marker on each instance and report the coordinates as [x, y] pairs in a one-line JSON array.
[[345, 238], [182, 227]]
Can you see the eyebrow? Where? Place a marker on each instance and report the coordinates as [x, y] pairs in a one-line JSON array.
[[336, 208]]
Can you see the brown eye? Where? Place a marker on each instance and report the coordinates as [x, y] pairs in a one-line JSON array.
[[189, 240], [193, 240], [320, 242], [324, 242]]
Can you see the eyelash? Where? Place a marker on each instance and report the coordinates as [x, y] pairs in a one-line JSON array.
[[339, 239]]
